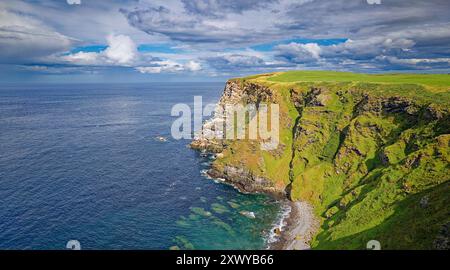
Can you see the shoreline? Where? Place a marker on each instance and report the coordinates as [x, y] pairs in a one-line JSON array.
[[299, 229]]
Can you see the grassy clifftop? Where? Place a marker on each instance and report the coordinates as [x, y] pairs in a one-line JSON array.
[[369, 152], [433, 80]]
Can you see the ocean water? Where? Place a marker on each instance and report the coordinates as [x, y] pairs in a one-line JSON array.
[[81, 162]]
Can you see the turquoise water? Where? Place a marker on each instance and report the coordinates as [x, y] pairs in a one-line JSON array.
[[82, 162]]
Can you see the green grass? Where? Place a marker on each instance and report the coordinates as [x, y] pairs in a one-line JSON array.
[[433, 80]]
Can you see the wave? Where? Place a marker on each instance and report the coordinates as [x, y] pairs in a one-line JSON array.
[[280, 223], [205, 174], [109, 125]]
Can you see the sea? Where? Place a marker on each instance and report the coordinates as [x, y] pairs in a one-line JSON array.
[[96, 163]]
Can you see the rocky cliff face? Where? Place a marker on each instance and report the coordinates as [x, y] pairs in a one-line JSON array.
[[363, 157], [238, 175]]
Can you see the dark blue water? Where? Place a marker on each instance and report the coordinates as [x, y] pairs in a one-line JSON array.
[[82, 162]]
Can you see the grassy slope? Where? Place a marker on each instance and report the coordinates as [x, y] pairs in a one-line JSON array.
[[363, 169]]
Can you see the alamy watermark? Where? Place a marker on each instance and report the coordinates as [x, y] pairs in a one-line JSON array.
[[73, 245], [259, 121], [373, 245]]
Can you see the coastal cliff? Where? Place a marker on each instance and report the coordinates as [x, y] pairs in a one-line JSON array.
[[369, 153]]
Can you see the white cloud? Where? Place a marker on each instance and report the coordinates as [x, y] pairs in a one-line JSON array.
[[84, 58], [150, 70], [414, 61], [299, 53], [374, 2], [121, 49], [74, 2], [369, 47], [169, 66], [312, 48], [193, 66]]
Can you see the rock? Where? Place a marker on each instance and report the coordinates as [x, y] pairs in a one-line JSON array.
[[413, 161], [398, 105], [277, 231], [383, 158], [211, 139], [432, 113], [245, 181], [248, 214], [161, 138], [424, 202], [442, 241]]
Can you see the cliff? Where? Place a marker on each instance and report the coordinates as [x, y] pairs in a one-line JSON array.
[[370, 153]]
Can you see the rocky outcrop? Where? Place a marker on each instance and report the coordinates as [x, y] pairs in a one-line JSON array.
[[237, 92], [246, 181]]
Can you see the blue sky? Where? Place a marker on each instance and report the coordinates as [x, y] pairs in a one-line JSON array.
[[211, 40]]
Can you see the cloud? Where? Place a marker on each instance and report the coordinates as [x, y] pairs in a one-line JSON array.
[[83, 58], [380, 37], [363, 53], [218, 8], [298, 53], [369, 48], [169, 67], [193, 66], [160, 20], [121, 49], [207, 21], [374, 2], [24, 38], [74, 2], [234, 61], [243, 62], [393, 28], [415, 63], [162, 66], [222, 36]]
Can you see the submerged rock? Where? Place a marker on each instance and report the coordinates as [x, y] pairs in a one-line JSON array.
[[219, 208], [200, 211], [233, 205], [248, 214], [184, 242]]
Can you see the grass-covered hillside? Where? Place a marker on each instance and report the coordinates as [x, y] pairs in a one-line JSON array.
[[370, 153]]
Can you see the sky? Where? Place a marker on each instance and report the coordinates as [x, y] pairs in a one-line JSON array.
[[212, 40]]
